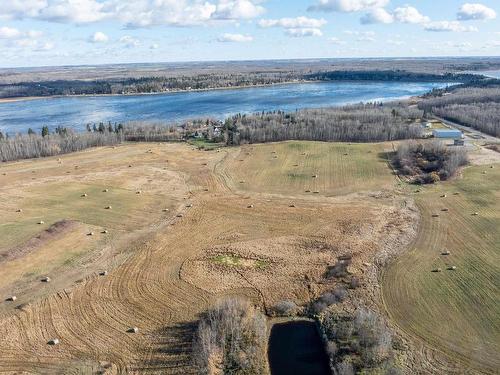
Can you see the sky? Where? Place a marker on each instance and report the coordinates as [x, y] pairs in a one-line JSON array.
[[81, 32]]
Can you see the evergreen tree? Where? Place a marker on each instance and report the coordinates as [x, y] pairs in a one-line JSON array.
[[45, 131], [30, 131]]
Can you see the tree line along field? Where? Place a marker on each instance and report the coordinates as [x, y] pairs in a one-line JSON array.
[[456, 311], [266, 219]]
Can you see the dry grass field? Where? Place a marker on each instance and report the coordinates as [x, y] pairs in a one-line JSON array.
[[305, 168], [456, 310], [208, 224], [165, 267]]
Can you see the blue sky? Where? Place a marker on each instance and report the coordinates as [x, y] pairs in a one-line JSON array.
[[75, 32]]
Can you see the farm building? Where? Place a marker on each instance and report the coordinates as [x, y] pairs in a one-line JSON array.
[[447, 133]]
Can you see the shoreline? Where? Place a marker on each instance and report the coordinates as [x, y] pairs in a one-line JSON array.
[[177, 91]]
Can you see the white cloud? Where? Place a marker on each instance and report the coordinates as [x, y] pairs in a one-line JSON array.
[[291, 23], [347, 5], [235, 38], [9, 33], [377, 15], [239, 9], [409, 14], [129, 41], [444, 26], [137, 13], [154, 46], [47, 46], [475, 11], [302, 32], [76, 11], [297, 27], [99, 37], [336, 40]]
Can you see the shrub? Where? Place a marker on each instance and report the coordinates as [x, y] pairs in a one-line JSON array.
[[428, 162], [231, 338], [285, 308]]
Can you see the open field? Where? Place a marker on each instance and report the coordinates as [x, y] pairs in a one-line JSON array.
[[245, 228], [308, 168], [164, 268], [456, 311]]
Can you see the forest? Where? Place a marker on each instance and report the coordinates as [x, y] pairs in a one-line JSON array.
[[477, 107], [205, 81], [355, 123]]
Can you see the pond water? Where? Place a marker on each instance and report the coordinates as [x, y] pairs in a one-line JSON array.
[[76, 112], [296, 348]]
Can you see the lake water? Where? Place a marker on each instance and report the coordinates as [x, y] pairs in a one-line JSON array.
[[76, 112]]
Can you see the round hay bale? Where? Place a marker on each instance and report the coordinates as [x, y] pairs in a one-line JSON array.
[[250, 206], [491, 166], [242, 182], [130, 165], [138, 192], [206, 189], [45, 279], [452, 268], [41, 222], [84, 195], [108, 207], [444, 210], [456, 193], [291, 205], [475, 214], [11, 298], [417, 191], [103, 273], [446, 252], [19, 210], [443, 196], [189, 205], [437, 270], [484, 172], [53, 342], [105, 231], [308, 191], [105, 190], [133, 330], [165, 210], [315, 192], [435, 215], [179, 215], [314, 176], [90, 234]]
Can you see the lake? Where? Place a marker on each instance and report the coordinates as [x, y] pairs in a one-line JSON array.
[[76, 112]]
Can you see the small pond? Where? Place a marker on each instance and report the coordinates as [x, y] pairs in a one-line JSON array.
[[296, 348]]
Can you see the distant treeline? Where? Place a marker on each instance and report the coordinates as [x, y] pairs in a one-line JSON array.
[[63, 140], [146, 85], [393, 76], [477, 107], [355, 123]]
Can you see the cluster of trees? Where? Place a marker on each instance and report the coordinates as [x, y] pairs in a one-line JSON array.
[[63, 140], [143, 84], [477, 107], [392, 76], [358, 343], [356, 123], [231, 339], [27, 146], [429, 162]]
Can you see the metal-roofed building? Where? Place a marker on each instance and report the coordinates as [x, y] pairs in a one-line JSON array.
[[447, 133]]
